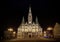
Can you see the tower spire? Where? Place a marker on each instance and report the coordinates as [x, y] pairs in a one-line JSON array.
[[30, 15], [36, 20], [29, 8], [23, 20]]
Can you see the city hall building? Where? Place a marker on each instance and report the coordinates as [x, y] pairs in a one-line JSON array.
[[29, 29]]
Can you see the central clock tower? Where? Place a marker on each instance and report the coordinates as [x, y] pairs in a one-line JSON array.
[[30, 16]]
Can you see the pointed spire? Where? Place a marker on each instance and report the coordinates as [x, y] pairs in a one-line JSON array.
[[56, 25], [36, 19], [30, 9], [23, 20]]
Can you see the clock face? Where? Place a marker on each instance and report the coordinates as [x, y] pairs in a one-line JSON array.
[[29, 21]]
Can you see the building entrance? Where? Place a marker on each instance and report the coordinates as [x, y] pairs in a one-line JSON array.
[[30, 35]]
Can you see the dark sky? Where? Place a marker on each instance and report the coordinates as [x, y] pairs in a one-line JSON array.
[[12, 11]]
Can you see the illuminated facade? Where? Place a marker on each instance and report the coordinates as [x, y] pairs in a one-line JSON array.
[[29, 29], [56, 30]]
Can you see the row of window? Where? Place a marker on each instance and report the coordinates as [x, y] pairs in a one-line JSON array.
[[29, 26], [27, 30]]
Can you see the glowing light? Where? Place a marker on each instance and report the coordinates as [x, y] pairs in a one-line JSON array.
[[22, 30], [26, 30], [10, 29], [14, 32], [36, 30], [45, 33], [33, 30], [30, 22], [49, 28]]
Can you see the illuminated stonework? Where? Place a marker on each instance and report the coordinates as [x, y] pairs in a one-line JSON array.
[[56, 30], [29, 29]]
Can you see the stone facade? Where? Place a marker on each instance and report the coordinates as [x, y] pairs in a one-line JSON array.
[[29, 29]]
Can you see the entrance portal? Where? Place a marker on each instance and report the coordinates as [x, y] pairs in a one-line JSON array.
[[29, 35]]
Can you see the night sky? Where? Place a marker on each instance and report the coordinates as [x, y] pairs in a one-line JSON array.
[[12, 11]]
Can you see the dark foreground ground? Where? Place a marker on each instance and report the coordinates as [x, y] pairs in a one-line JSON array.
[[31, 40]]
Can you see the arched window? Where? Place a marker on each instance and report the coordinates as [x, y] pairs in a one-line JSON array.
[[26, 30], [22, 29], [36, 30], [33, 30]]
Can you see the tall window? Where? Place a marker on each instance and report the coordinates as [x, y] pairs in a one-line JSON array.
[[22, 29], [26, 30], [33, 26], [33, 30], [30, 28], [36, 30], [19, 29]]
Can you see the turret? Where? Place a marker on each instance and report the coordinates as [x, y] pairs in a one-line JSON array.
[[23, 20], [36, 20]]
